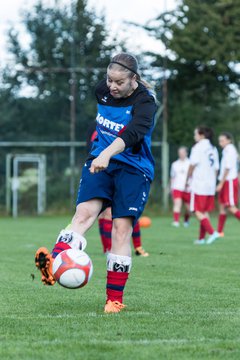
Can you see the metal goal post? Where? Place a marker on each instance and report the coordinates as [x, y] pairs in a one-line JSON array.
[[12, 180]]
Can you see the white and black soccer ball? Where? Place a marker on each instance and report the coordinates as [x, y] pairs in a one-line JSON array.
[[72, 269]]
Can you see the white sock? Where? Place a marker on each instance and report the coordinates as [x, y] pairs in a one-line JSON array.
[[73, 239], [119, 263]]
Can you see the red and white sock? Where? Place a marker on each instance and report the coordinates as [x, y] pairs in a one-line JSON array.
[[58, 248], [205, 223], [136, 236], [105, 229], [176, 216], [68, 239], [118, 268], [237, 214], [202, 232], [221, 222]]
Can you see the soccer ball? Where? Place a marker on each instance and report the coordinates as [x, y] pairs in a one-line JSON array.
[[72, 268], [145, 221]]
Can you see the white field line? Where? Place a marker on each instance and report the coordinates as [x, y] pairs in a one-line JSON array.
[[69, 316], [143, 342], [127, 314]]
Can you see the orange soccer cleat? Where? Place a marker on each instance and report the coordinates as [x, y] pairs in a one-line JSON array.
[[113, 307], [44, 261], [139, 251]]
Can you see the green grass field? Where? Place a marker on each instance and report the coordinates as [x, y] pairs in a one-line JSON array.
[[183, 302]]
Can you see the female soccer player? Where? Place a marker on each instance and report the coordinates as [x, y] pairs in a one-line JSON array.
[[204, 165], [180, 195], [228, 187], [105, 218], [117, 173]]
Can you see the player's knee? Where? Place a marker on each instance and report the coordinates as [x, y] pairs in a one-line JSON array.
[[122, 231], [83, 215]]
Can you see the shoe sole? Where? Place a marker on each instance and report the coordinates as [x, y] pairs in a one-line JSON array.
[[42, 262]]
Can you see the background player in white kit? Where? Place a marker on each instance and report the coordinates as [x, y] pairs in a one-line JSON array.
[[204, 165], [228, 187], [180, 195]]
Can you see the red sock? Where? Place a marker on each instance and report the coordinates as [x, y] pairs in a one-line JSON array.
[[101, 231], [115, 285], [202, 232], [59, 247], [176, 216], [221, 222], [136, 236], [237, 214], [105, 229], [108, 234], [186, 217], [205, 223]]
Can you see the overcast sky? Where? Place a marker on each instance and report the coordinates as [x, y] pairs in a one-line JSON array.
[[117, 11]]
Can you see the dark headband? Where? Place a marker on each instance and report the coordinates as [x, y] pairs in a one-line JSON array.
[[123, 65]]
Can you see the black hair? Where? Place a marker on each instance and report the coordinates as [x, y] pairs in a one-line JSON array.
[[207, 132]]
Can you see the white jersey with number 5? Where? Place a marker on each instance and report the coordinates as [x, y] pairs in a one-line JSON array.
[[204, 156], [229, 162]]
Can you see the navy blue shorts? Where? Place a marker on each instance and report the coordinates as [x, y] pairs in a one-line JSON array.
[[121, 186]]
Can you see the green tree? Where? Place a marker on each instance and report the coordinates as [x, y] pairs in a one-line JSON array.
[[202, 42], [67, 55]]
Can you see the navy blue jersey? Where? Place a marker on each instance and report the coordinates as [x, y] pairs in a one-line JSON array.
[[131, 119]]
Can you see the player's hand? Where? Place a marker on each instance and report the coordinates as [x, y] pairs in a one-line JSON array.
[[99, 164], [219, 187]]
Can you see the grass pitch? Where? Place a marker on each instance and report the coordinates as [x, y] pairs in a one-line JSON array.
[[183, 302]]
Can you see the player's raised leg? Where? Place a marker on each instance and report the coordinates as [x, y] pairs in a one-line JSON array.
[[71, 237]]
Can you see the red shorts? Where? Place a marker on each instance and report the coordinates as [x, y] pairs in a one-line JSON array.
[[202, 203], [185, 196], [228, 196]]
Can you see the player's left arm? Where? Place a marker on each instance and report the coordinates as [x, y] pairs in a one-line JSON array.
[[142, 121], [138, 127]]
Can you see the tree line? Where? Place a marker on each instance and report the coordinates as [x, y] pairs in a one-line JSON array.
[[68, 52]]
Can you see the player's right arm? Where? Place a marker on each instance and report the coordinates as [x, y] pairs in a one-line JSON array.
[[101, 162], [222, 181]]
